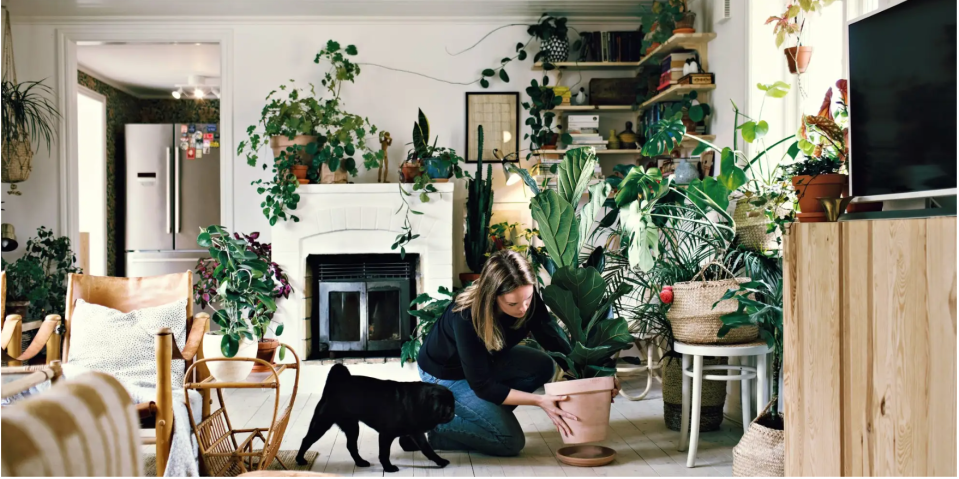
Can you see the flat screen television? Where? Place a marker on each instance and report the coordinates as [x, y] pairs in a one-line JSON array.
[[902, 101]]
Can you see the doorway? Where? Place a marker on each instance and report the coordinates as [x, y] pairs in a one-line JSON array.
[[92, 185]]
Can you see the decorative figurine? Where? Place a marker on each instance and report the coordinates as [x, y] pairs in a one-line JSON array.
[[627, 137], [580, 97], [613, 141], [385, 142]]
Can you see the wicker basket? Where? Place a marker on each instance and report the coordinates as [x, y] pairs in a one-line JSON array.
[[752, 226], [17, 160], [761, 452], [713, 396], [693, 318]]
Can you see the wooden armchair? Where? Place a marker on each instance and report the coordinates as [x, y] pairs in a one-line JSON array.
[[128, 294]]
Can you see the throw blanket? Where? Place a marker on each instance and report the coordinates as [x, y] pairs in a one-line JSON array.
[[184, 453]]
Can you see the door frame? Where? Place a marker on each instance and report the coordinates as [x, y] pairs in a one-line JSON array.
[[66, 60], [82, 90]]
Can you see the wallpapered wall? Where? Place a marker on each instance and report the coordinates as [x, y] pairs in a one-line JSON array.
[[123, 108]]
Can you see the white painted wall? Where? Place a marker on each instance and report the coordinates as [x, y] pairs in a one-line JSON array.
[[91, 113]]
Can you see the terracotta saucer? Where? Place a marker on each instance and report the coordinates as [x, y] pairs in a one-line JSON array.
[[819, 217], [585, 455]]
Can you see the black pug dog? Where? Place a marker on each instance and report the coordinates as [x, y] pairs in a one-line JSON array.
[[394, 409]]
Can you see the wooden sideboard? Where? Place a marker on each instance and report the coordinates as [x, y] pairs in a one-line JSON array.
[[869, 370]]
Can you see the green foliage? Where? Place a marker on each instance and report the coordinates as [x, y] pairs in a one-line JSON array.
[[664, 15], [290, 111], [40, 275], [28, 113], [245, 290], [545, 28], [558, 227], [425, 155], [541, 118], [479, 210], [428, 311]]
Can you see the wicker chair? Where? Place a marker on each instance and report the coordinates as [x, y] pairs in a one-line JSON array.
[[128, 294]]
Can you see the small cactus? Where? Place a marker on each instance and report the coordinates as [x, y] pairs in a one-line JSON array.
[[479, 210]]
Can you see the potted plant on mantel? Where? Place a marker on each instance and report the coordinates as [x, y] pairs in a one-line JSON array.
[[578, 295], [243, 285], [479, 210], [312, 138]]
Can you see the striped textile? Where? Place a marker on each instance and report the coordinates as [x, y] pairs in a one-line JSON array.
[[87, 426]]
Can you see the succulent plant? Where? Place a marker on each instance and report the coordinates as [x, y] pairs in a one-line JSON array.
[[479, 210]]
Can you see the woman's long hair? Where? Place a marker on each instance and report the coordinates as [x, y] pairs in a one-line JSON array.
[[503, 272]]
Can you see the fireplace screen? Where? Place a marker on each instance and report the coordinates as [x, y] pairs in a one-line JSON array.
[[363, 306]]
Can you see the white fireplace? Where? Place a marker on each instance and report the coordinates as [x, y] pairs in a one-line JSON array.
[[358, 219]]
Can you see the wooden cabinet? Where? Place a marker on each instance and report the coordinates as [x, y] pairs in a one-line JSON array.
[[869, 367]]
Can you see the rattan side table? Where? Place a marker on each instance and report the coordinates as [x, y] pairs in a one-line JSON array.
[[225, 451]]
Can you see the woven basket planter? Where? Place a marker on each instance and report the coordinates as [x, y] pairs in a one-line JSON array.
[[693, 318], [17, 161], [761, 452], [713, 398], [751, 227]]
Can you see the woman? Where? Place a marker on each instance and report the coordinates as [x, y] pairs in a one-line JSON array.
[[473, 350]]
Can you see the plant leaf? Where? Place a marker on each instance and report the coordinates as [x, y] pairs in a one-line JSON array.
[[557, 226], [574, 173], [562, 304]]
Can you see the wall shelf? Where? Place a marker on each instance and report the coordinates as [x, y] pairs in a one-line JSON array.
[[687, 143], [680, 41], [592, 108], [573, 66], [675, 93]]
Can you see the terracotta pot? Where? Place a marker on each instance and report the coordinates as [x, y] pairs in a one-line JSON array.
[[797, 58], [468, 277], [551, 142], [809, 188], [652, 47], [281, 143], [228, 371], [685, 24], [303, 181], [589, 400], [17, 307], [329, 177], [300, 171], [265, 350], [409, 171]]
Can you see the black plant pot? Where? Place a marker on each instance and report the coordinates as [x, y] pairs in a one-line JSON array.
[[556, 48]]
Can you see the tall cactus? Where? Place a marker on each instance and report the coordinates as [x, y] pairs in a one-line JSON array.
[[479, 209]]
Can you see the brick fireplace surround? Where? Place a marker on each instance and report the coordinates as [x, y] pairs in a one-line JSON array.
[[357, 219]]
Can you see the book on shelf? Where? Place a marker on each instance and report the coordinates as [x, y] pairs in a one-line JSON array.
[[619, 46], [573, 130], [588, 120]]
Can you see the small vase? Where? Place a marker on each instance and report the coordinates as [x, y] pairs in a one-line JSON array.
[[265, 350], [685, 173], [627, 138]]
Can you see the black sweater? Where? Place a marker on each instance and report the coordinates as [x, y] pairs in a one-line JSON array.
[[452, 350]]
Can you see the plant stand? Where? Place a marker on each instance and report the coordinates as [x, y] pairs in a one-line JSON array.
[[650, 367], [225, 451]]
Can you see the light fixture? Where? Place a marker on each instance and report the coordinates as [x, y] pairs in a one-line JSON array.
[[509, 171], [216, 92], [507, 136], [178, 93], [197, 93]]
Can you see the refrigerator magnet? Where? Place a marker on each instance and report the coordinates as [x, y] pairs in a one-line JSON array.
[[190, 153], [183, 129], [210, 128], [184, 145], [206, 145], [206, 150], [199, 153], [214, 144], [191, 128], [198, 136], [207, 137]]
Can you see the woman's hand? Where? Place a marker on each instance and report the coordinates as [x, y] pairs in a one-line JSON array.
[[615, 389], [557, 415]]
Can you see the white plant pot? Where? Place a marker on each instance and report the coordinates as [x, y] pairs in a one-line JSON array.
[[228, 371]]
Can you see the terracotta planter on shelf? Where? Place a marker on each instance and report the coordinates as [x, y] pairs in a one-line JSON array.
[[279, 144], [303, 181], [265, 350], [589, 400], [409, 171], [685, 24], [797, 58], [652, 47], [810, 188], [299, 171], [228, 371], [468, 277], [329, 177]]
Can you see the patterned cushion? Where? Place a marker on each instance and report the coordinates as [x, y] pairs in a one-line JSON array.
[[83, 427], [124, 345]]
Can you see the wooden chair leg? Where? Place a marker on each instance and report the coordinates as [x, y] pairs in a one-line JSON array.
[[53, 345], [15, 346], [164, 416], [203, 372]]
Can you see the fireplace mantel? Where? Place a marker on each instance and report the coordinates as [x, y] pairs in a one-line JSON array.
[[358, 219]]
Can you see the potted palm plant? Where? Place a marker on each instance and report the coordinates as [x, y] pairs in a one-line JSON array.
[[244, 297], [28, 115]]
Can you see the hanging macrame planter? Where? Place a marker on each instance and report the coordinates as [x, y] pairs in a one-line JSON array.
[[17, 154]]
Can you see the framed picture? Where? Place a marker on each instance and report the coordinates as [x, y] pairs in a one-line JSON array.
[[498, 112]]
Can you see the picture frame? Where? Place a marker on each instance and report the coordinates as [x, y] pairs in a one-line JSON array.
[[498, 112]]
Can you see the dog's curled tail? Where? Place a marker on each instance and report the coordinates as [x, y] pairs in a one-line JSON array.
[[338, 373]]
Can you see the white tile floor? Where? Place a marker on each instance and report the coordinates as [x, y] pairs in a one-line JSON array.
[[637, 432]]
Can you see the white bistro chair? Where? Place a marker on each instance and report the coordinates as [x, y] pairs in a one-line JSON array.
[[693, 373], [649, 364]]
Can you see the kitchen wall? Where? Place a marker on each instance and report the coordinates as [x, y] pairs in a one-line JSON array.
[[270, 52], [123, 108]]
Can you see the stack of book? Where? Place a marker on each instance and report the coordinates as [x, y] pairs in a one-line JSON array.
[[582, 124], [672, 68], [612, 46]]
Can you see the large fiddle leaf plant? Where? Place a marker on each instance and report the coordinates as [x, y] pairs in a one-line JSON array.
[[578, 295], [245, 291]]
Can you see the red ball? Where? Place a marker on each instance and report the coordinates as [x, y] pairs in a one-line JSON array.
[[666, 296]]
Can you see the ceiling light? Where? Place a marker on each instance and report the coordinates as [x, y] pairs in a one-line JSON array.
[[216, 92], [197, 93], [177, 93]]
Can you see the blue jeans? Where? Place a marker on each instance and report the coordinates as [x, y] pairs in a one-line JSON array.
[[483, 426]]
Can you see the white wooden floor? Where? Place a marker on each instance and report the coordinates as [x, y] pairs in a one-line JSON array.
[[637, 432]]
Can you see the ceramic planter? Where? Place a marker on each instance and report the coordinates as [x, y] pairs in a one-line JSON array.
[[279, 144], [589, 400], [797, 58], [556, 48], [685, 24], [329, 177], [228, 371], [299, 171], [409, 171], [437, 170], [810, 188], [265, 350]]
